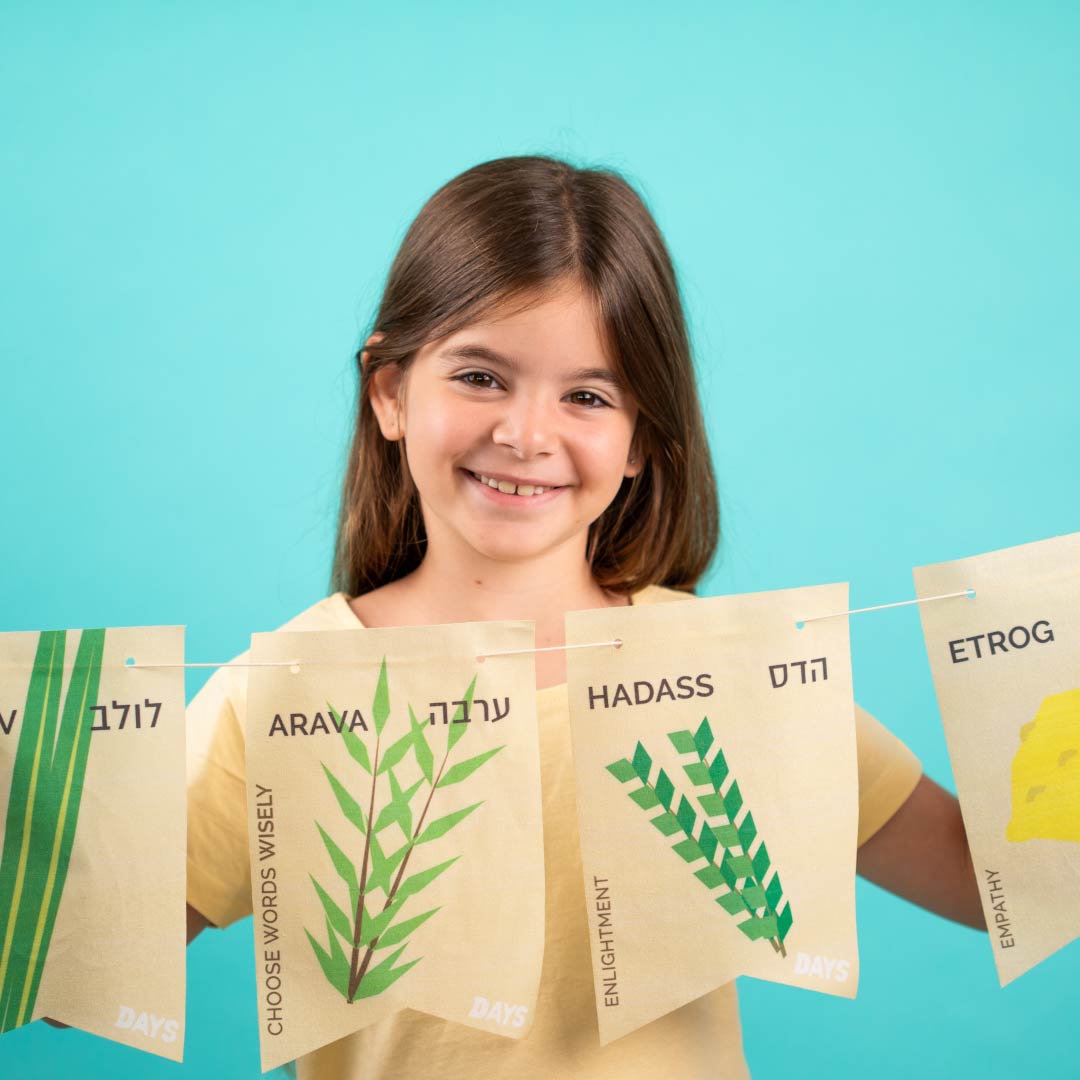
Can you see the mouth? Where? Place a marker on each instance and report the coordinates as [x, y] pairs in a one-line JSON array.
[[524, 496]]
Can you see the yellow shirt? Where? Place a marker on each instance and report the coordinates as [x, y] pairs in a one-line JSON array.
[[700, 1039]]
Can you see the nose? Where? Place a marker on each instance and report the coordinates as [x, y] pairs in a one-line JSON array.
[[529, 426]]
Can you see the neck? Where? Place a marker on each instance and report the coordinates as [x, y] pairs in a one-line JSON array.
[[541, 590]]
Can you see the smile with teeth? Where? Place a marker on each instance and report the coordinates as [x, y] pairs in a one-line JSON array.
[[507, 488]]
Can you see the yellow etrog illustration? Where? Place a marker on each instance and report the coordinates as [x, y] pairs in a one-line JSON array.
[[1046, 773]]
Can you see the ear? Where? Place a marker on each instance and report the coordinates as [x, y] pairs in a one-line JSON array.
[[385, 393]]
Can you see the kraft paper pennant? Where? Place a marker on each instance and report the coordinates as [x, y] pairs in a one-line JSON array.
[[1006, 666], [94, 833], [717, 786], [393, 792]]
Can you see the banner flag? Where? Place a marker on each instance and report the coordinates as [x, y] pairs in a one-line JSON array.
[[92, 870], [717, 786], [1006, 667], [393, 789]]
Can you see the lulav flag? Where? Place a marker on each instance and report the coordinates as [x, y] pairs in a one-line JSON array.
[[1006, 666], [393, 785], [92, 794], [714, 752]]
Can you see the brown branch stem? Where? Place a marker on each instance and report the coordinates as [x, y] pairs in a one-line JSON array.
[[354, 985], [358, 918]]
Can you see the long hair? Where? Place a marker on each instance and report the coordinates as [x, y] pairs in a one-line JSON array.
[[503, 232]]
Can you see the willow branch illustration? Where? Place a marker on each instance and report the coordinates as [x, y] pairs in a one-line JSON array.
[[367, 931], [725, 844]]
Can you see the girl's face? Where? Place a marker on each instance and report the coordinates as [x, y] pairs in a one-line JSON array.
[[519, 399]]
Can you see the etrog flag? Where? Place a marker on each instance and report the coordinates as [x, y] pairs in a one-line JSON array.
[[395, 830], [1006, 665], [92, 792], [717, 786]]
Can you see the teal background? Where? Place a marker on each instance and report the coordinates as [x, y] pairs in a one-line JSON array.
[[873, 210]]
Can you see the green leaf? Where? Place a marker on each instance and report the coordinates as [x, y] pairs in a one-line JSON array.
[[747, 831], [443, 825], [697, 773], [667, 823], [718, 770], [642, 763], [378, 978], [710, 876], [645, 797], [686, 815], [357, 750], [349, 806], [335, 970], [398, 809], [665, 789], [336, 918], [774, 893], [707, 840], [733, 800], [383, 866], [374, 927], [421, 748], [703, 737], [415, 882], [713, 805], [754, 895], [380, 705], [403, 929], [784, 921], [683, 742], [466, 768], [727, 835], [731, 902], [759, 926], [688, 849], [457, 729], [396, 752], [761, 861], [622, 770], [739, 865], [346, 870]]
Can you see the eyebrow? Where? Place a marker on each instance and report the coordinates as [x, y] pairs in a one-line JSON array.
[[483, 353]]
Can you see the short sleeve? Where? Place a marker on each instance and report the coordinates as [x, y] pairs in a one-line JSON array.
[[888, 773], [218, 877]]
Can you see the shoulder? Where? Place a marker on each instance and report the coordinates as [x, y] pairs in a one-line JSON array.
[[227, 687]]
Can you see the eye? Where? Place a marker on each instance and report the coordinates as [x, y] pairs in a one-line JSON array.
[[597, 401], [466, 376]]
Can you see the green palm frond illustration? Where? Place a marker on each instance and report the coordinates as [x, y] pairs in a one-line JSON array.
[[723, 833], [376, 882], [42, 813]]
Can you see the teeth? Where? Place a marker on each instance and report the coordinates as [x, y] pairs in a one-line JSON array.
[[511, 489]]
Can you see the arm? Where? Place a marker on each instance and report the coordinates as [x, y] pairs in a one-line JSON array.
[[921, 854]]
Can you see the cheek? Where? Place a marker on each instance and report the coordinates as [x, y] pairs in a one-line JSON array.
[[437, 435]]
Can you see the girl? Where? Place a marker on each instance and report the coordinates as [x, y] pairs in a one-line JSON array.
[[529, 442]]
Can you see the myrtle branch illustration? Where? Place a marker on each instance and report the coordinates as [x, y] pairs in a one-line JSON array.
[[353, 939], [724, 839], [42, 813]]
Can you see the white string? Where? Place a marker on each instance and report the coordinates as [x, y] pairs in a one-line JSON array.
[[617, 642], [881, 607], [549, 648]]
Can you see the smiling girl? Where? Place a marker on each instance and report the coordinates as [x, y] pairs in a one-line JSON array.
[[528, 442]]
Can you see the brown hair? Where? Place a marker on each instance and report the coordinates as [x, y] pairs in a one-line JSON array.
[[502, 232]]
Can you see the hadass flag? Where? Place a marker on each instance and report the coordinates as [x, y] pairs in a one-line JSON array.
[[717, 795]]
